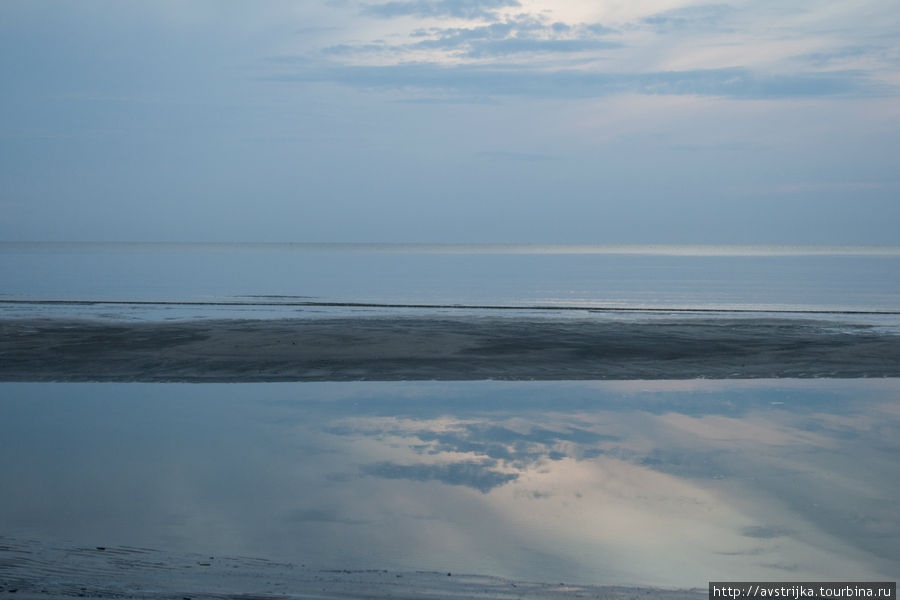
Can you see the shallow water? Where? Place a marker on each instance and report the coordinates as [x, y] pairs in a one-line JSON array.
[[654, 483], [275, 279]]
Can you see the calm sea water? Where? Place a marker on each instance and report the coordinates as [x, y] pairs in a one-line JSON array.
[[249, 278], [661, 483]]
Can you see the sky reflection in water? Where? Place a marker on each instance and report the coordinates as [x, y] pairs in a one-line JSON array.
[[661, 483]]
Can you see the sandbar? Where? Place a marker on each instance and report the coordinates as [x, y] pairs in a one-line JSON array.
[[440, 348]]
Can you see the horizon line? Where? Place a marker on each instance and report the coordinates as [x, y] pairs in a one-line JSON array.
[[682, 249]]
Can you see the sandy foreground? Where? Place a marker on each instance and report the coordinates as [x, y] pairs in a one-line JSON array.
[[29, 569], [436, 348]]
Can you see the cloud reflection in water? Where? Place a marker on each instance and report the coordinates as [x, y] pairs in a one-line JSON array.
[[663, 483]]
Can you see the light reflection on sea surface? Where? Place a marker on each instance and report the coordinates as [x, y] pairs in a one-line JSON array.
[[660, 483]]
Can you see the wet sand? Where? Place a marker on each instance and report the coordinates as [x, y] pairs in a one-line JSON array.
[[34, 570], [437, 348]]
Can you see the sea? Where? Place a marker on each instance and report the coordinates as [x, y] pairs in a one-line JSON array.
[[648, 483], [170, 281]]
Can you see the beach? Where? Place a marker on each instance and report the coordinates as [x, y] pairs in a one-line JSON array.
[[441, 348], [539, 422], [38, 571], [448, 299]]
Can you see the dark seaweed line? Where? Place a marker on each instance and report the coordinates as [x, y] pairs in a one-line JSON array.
[[541, 307]]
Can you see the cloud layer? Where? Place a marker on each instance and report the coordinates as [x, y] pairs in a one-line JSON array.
[[451, 121], [542, 49], [461, 9]]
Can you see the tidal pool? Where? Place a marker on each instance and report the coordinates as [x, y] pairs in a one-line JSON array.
[[664, 483]]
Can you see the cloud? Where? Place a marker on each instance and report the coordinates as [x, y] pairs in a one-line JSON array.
[[522, 34], [476, 475], [454, 37], [349, 49], [703, 16], [504, 444], [738, 83], [599, 29], [509, 46], [460, 9], [763, 532], [825, 59]]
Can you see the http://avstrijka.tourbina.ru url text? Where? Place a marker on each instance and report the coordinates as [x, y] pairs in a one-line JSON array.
[[798, 590]]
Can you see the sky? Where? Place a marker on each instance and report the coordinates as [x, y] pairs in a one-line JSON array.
[[522, 121]]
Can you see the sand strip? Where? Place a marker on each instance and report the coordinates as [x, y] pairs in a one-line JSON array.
[[353, 349]]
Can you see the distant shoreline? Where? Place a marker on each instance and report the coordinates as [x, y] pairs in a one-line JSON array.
[[440, 348], [296, 301], [672, 249]]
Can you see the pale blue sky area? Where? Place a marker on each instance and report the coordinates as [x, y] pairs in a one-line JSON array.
[[566, 121]]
